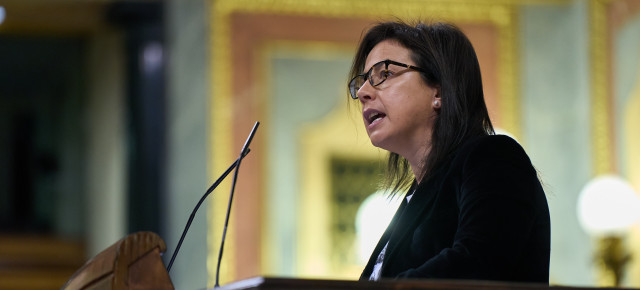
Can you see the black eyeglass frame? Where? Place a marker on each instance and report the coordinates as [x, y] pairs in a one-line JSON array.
[[353, 90]]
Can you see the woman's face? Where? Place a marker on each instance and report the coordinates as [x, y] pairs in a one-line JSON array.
[[399, 113]]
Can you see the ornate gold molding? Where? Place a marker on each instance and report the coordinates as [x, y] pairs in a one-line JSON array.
[[307, 50], [509, 76], [600, 120]]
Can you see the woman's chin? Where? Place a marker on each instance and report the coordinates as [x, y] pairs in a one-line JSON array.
[[379, 143]]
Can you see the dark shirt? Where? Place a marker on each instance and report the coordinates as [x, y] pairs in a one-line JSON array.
[[482, 216]]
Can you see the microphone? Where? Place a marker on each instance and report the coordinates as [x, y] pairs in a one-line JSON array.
[[245, 151], [245, 148]]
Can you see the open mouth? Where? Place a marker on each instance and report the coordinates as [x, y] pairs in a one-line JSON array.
[[374, 116]]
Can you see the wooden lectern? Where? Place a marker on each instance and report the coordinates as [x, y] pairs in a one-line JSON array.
[[131, 263], [264, 283]]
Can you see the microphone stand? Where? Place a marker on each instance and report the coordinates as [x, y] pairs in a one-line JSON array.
[[193, 213], [245, 148]]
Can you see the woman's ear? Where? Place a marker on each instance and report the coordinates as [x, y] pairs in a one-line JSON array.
[[437, 101], [436, 104]]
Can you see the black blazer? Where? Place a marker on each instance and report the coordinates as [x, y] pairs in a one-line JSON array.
[[483, 216]]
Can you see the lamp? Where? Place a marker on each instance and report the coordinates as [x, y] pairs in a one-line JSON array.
[[607, 208]]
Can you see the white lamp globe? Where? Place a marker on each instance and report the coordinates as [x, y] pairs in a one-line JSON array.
[[608, 205], [372, 219]]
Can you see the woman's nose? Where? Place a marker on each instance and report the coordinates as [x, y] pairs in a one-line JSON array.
[[366, 92]]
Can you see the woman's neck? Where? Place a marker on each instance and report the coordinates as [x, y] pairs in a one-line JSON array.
[[417, 162]]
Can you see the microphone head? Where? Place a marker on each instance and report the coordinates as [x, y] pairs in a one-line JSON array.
[[245, 148]]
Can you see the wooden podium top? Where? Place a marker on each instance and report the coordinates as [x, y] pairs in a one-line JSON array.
[[132, 263], [313, 284]]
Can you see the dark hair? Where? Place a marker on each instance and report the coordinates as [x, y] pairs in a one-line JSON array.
[[451, 64]]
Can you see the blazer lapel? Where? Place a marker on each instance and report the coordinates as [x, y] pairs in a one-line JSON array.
[[408, 219]]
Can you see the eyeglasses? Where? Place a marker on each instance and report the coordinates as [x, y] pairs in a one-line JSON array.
[[376, 75]]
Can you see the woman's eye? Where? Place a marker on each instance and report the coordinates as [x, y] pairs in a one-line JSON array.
[[386, 73]]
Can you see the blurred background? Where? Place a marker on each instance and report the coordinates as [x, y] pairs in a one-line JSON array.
[[116, 116]]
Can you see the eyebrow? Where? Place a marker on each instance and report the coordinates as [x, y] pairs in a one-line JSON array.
[[377, 62]]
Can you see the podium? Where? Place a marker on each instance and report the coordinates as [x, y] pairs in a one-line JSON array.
[[131, 263]]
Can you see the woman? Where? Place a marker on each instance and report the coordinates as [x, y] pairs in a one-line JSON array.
[[474, 207]]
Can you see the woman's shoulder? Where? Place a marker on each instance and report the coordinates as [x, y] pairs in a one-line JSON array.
[[491, 141], [491, 149], [501, 143]]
